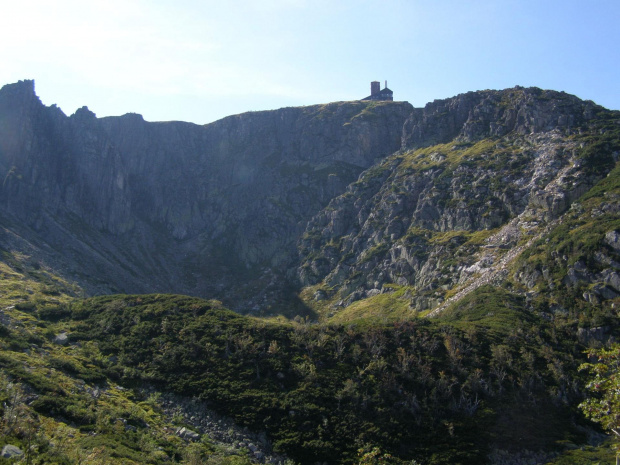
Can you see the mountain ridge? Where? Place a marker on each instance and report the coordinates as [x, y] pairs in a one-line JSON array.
[[436, 273], [234, 209], [177, 184]]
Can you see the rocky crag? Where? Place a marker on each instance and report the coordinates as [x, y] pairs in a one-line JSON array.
[[348, 200], [122, 205], [480, 179]]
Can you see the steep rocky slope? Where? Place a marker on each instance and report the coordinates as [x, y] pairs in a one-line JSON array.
[[347, 200], [127, 205], [444, 218]]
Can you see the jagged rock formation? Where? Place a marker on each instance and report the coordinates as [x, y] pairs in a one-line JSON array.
[[349, 199], [476, 115], [120, 204], [496, 212], [481, 173]]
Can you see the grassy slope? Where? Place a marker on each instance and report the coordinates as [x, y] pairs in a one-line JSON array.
[[441, 392]]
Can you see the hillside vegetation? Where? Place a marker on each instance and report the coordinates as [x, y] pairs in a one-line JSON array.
[[437, 392], [410, 285]]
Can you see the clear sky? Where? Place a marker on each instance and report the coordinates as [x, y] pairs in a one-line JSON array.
[[201, 60]]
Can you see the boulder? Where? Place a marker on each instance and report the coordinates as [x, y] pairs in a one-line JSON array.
[[612, 239], [61, 339], [604, 292], [187, 434], [611, 278], [600, 334], [11, 452]]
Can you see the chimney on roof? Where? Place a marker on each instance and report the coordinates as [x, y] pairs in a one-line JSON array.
[[375, 87], [386, 83]]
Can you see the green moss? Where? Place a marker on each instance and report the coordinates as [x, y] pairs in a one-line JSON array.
[[609, 184], [479, 237]]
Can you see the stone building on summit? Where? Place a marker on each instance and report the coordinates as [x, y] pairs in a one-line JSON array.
[[377, 94]]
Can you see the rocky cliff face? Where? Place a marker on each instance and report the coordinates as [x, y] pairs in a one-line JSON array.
[[127, 205], [497, 213], [480, 175], [349, 200], [476, 115]]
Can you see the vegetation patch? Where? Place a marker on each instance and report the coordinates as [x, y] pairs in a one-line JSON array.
[[386, 307], [494, 310]]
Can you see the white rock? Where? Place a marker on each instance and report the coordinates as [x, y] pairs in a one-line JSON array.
[[9, 452]]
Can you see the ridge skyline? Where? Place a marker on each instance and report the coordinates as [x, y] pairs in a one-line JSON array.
[[133, 112], [190, 62]]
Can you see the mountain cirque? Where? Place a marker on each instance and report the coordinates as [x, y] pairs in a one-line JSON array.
[[443, 270], [348, 199], [126, 205]]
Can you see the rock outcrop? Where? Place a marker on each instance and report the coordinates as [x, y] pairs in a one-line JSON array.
[[476, 115], [124, 205], [11, 452], [348, 197], [481, 174]]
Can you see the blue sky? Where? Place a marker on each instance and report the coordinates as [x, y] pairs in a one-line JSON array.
[[202, 60]]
